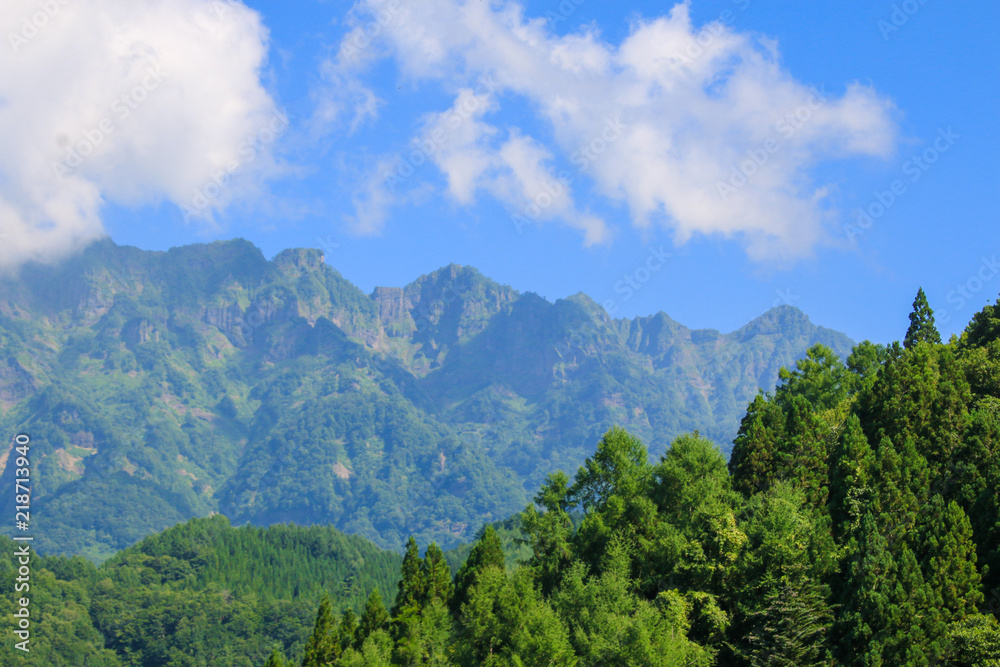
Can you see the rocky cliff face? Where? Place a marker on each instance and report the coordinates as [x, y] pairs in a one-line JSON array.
[[393, 306], [206, 378]]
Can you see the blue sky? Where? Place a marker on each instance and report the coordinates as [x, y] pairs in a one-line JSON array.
[[841, 103]]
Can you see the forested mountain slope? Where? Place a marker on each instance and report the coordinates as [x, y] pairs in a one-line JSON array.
[[201, 593], [857, 523], [159, 386]]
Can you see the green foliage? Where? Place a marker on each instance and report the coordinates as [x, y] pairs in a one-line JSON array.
[[201, 591], [856, 524], [487, 553], [754, 460], [922, 329], [791, 627], [618, 468], [851, 469], [161, 386], [323, 646], [821, 378], [549, 531], [374, 618], [976, 642], [505, 622], [275, 659]]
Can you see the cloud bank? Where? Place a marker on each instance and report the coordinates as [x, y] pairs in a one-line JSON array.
[[126, 102], [699, 129]]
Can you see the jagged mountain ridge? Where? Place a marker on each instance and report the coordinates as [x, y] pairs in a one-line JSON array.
[[164, 385]]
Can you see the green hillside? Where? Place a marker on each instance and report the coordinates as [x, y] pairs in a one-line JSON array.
[[856, 523], [161, 386], [200, 593]]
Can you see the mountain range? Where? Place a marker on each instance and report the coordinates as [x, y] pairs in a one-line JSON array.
[[161, 386]]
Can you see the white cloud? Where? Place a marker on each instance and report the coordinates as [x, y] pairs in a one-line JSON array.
[[131, 102], [668, 122]]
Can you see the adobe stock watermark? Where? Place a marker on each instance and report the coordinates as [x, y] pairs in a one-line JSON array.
[[327, 245], [565, 10], [121, 109], [35, 23], [634, 281], [628, 286], [785, 297], [360, 40], [682, 62], [247, 152], [787, 127], [554, 189], [426, 146], [963, 293], [914, 169], [598, 146], [900, 16]]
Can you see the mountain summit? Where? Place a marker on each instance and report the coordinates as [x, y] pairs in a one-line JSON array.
[[158, 386]]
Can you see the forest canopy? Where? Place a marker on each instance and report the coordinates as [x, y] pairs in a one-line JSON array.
[[857, 522]]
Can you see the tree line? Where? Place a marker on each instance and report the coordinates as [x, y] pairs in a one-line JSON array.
[[856, 523]]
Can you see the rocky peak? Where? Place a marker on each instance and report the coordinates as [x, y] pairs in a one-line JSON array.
[[392, 304], [299, 260]]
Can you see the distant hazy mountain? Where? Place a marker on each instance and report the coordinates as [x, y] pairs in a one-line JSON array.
[[158, 386]]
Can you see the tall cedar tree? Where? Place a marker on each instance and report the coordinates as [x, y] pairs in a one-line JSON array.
[[793, 627], [851, 467], [347, 630], [323, 647], [374, 617], [984, 328], [889, 612], [549, 531], [275, 659], [412, 583], [754, 459], [902, 489], [821, 378], [949, 559], [921, 395], [437, 577], [488, 552], [805, 458], [922, 327]]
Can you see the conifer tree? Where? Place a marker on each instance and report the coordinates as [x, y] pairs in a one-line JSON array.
[[922, 395], [437, 576], [753, 462], [793, 625], [374, 617], [866, 604], [922, 327], [891, 615], [803, 457], [949, 559], [549, 531], [323, 646], [864, 362], [488, 552], [901, 491], [412, 584], [821, 378], [916, 633], [347, 630], [984, 328], [275, 659], [851, 467]]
